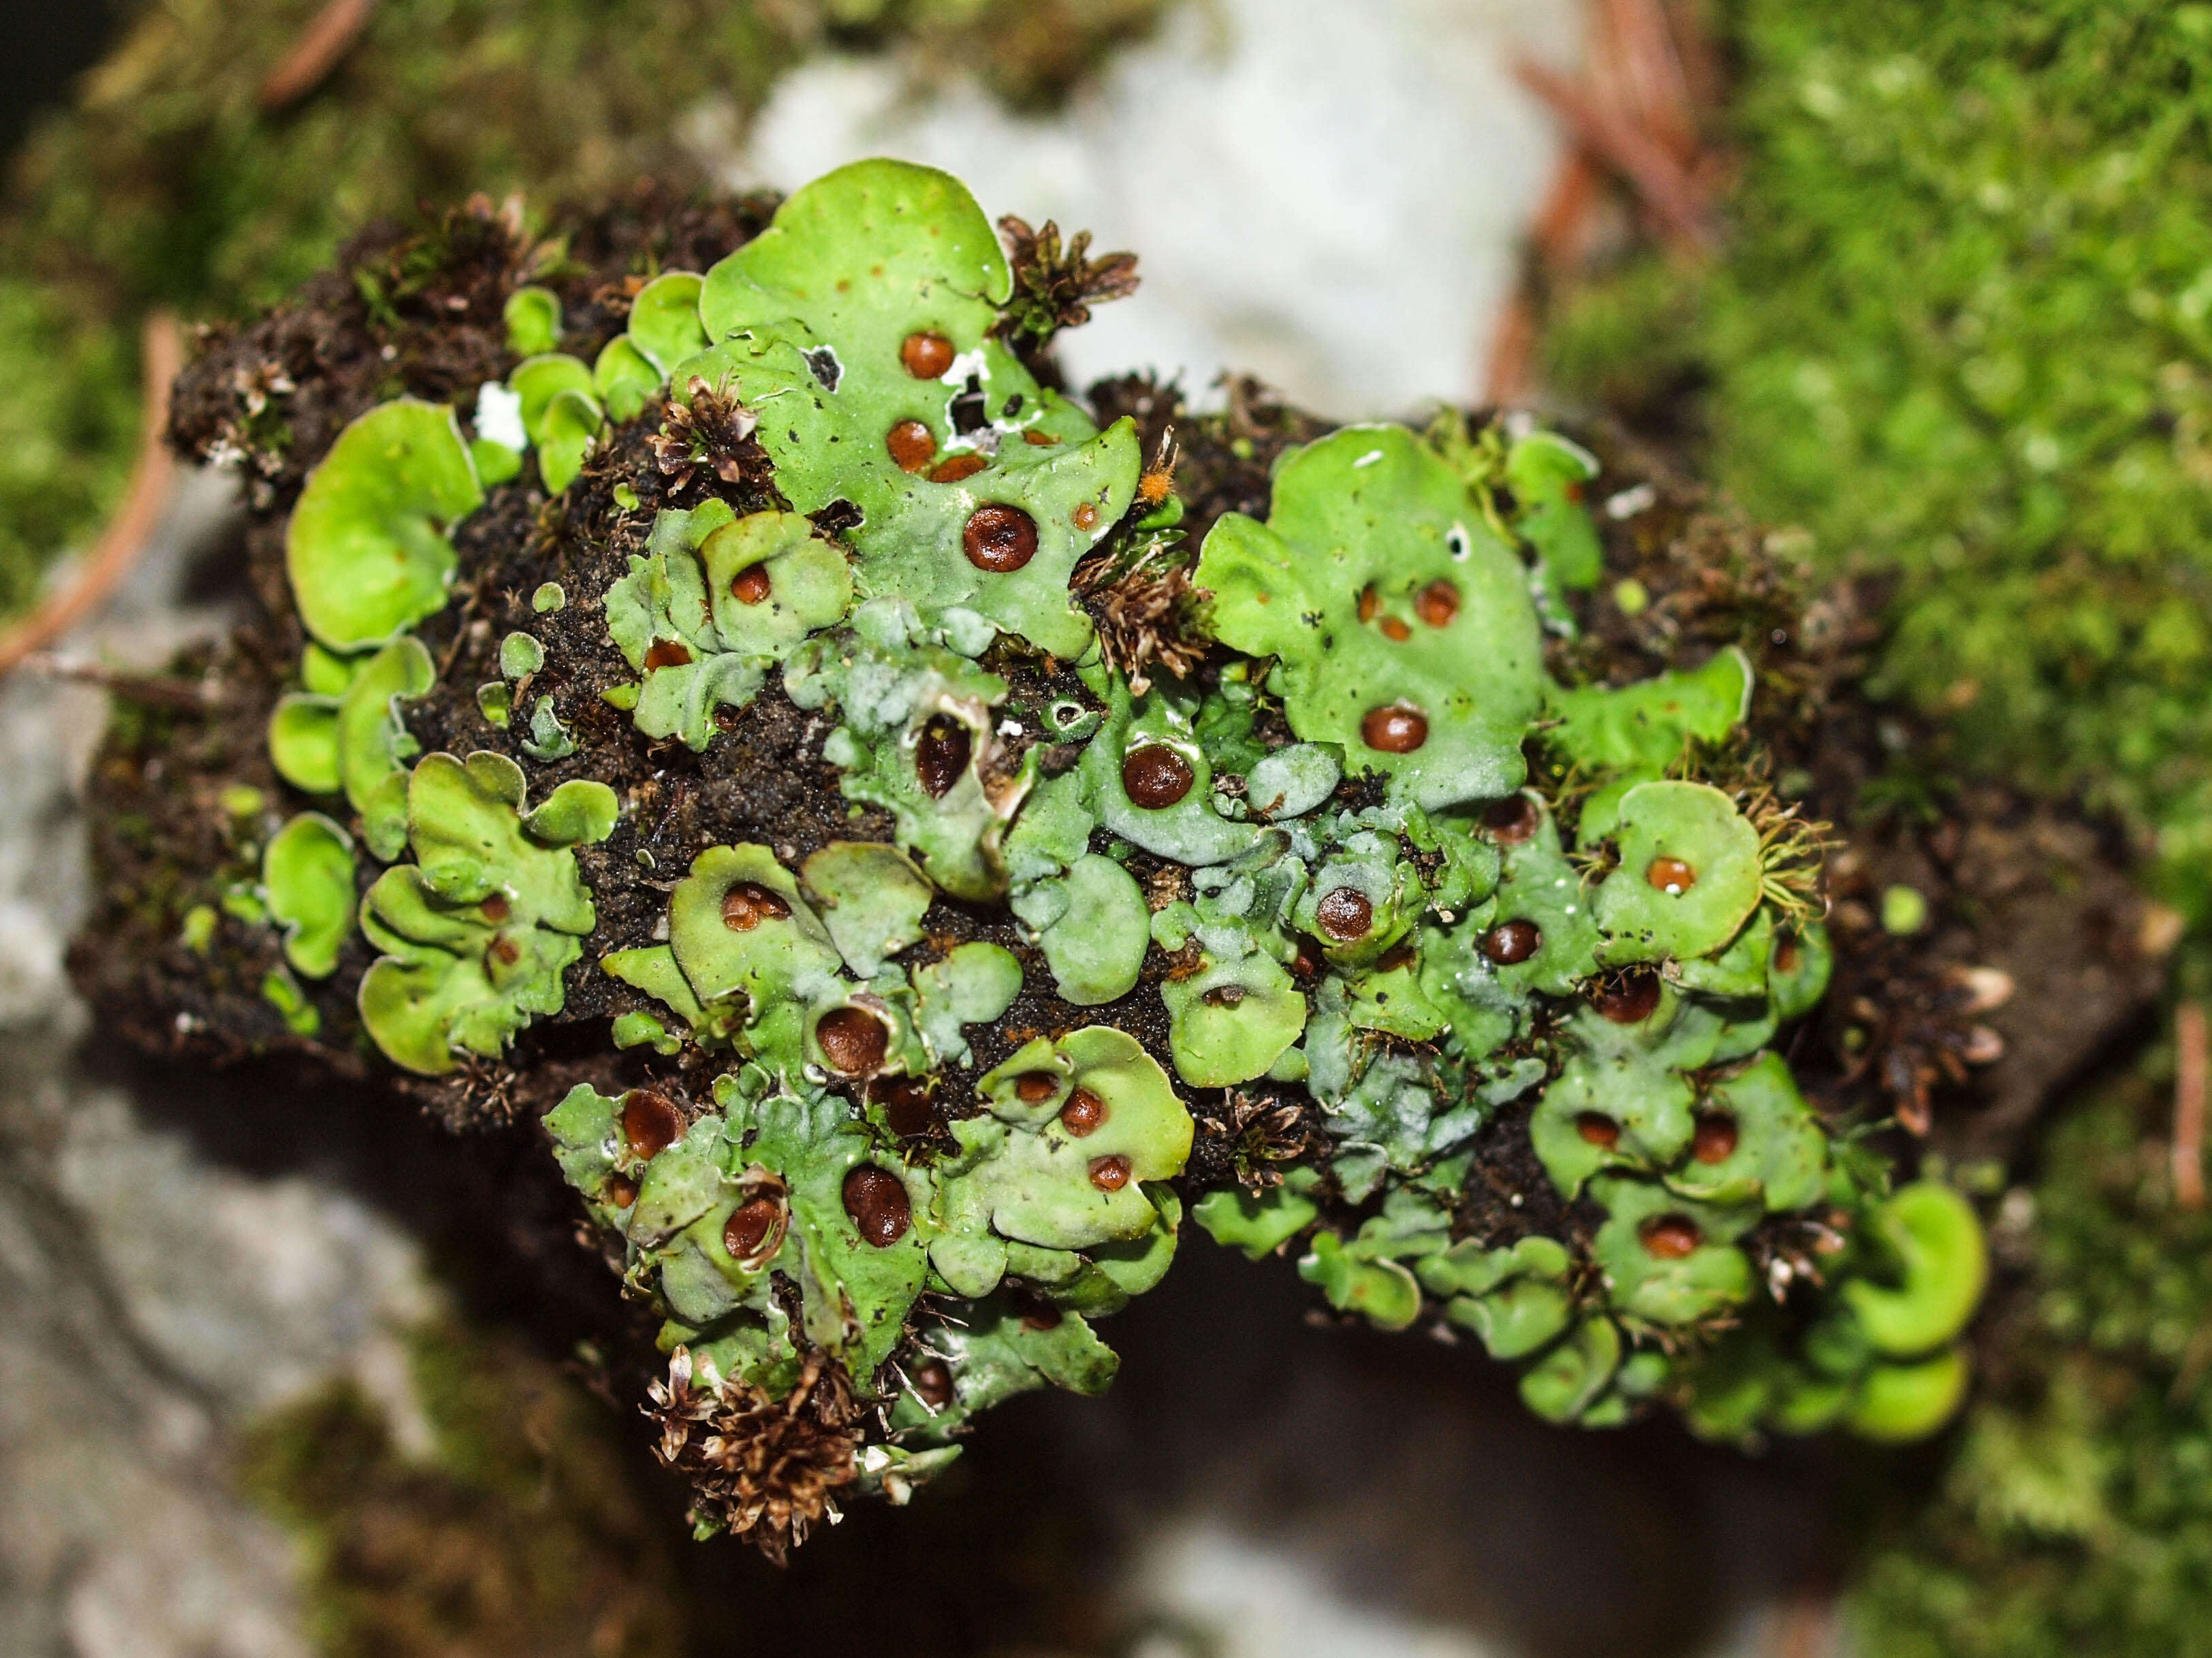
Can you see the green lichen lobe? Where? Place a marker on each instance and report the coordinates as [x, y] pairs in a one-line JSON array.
[[477, 930]]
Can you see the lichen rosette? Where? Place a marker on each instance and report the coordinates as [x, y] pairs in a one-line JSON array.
[[1273, 877]]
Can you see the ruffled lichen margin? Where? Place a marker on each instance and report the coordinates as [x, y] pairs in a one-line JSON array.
[[916, 851]]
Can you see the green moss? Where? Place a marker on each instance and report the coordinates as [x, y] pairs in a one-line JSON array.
[[518, 1532], [67, 428], [1962, 332], [2077, 1514]]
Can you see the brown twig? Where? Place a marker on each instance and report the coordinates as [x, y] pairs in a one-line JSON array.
[[2188, 1057], [126, 537], [1511, 375], [1558, 236], [1665, 185], [162, 690], [329, 34], [1632, 113], [1646, 62], [1805, 1627]]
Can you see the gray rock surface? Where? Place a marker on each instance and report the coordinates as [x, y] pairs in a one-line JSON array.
[[150, 1301]]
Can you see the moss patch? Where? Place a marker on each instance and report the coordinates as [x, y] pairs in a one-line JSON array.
[[518, 1533]]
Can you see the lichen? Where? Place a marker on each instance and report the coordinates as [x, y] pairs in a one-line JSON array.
[[862, 326], [1399, 621], [940, 968], [477, 930], [307, 872], [366, 549]]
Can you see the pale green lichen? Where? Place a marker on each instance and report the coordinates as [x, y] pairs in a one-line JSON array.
[[1399, 620], [702, 630], [919, 738], [366, 549], [532, 315], [478, 930], [869, 303], [307, 872], [779, 1181], [1883, 1357]]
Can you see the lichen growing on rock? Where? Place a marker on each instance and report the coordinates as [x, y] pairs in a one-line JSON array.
[[891, 973]]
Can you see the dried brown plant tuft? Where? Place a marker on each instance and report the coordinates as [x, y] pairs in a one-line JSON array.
[[712, 433], [1055, 285], [766, 1469]]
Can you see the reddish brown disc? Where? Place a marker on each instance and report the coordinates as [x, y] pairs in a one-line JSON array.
[[852, 1040], [1670, 874], [965, 465], [1110, 1174], [1395, 729], [999, 538], [1344, 914], [1041, 440], [1437, 604], [940, 754], [650, 1122], [504, 951], [1598, 1129], [1512, 820], [1084, 516], [908, 1108], [1035, 1087], [1395, 630], [1670, 1237], [1082, 1114], [1786, 953], [496, 908], [752, 1227], [1155, 776], [926, 354], [933, 1382], [748, 903], [666, 654], [1716, 1138], [876, 1199], [1510, 942], [751, 585], [911, 445], [1630, 998], [1040, 1316], [622, 1191], [1368, 604]]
